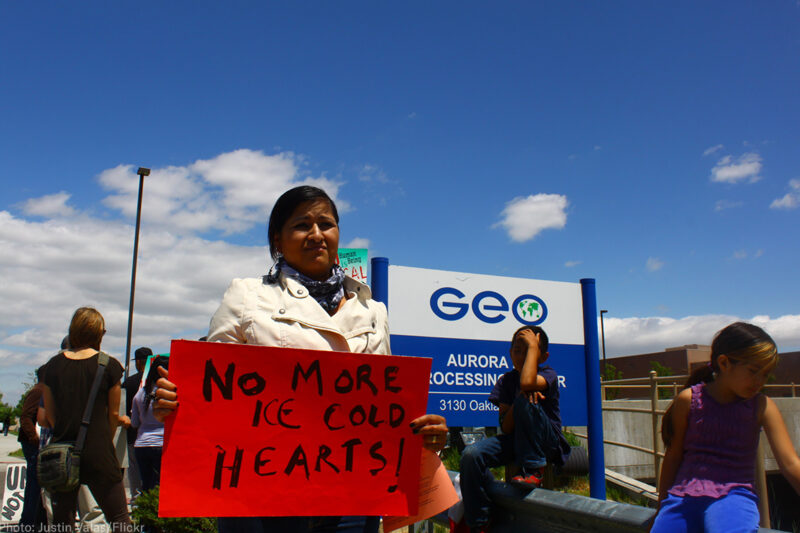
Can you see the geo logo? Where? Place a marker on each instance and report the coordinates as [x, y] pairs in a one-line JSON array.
[[488, 306]]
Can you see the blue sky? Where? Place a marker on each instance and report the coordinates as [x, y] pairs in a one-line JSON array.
[[653, 147]]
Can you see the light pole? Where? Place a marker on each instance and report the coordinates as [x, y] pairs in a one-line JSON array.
[[142, 172], [603, 336]]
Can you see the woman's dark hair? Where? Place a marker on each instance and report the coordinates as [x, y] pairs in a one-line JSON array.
[[152, 377], [544, 342], [286, 205], [741, 343]]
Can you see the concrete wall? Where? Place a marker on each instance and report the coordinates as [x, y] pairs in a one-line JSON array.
[[636, 429]]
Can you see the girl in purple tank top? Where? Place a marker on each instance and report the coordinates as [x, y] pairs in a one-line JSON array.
[[711, 433]]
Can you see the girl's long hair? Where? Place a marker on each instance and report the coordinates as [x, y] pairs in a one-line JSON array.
[[152, 377], [741, 343]]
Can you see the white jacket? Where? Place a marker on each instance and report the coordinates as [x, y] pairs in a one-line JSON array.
[[284, 315]]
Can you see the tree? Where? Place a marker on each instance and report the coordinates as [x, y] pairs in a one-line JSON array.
[[29, 383], [6, 411], [662, 370], [610, 373]]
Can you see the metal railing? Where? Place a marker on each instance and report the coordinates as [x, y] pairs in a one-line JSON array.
[[655, 383], [543, 510]]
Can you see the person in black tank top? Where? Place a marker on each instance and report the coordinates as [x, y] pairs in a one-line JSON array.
[[67, 379]]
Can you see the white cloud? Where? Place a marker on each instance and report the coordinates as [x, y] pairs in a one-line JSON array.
[[721, 205], [746, 167], [713, 150], [229, 193], [59, 265], [630, 336], [52, 206], [654, 264], [72, 258], [570, 264], [372, 173], [358, 242], [742, 254], [525, 217], [791, 200], [377, 188]]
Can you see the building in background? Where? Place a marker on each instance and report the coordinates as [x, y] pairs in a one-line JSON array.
[[682, 360]]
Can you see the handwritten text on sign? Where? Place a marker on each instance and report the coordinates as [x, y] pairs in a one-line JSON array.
[[264, 431]]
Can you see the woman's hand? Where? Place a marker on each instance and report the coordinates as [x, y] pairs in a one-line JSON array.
[[433, 429], [166, 394]]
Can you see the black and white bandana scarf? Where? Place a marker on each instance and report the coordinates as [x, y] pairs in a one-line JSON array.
[[327, 293]]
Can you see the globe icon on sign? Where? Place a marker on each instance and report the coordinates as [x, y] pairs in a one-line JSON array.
[[529, 309]]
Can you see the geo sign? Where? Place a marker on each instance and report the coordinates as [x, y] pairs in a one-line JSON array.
[[464, 322]]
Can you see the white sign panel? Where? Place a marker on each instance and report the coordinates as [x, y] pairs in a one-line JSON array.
[[464, 322], [481, 307], [13, 493]]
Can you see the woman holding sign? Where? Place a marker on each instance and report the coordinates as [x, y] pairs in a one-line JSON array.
[[307, 302]]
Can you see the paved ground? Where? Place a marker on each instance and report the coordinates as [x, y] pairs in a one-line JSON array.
[[7, 445]]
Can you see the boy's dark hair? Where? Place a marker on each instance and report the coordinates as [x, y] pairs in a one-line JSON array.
[[142, 353], [152, 377], [544, 342]]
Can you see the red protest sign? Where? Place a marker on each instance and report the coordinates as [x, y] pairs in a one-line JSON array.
[[264, 431]]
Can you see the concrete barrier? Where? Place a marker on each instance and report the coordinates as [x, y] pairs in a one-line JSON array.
[[518, 510]]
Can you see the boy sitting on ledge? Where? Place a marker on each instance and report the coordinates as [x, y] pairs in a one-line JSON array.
[[530, 420]]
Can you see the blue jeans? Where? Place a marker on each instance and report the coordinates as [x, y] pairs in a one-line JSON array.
[[735, 513], [532, 443], [299, 524], [32, 504]]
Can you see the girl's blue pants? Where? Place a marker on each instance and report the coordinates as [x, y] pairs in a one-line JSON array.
[[737, 512]]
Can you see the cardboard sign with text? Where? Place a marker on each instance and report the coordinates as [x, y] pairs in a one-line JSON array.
[[355, 263], [264, 431], [13, 493]]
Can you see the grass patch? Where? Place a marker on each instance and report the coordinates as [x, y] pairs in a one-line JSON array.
[[571, 439], [17, 453]]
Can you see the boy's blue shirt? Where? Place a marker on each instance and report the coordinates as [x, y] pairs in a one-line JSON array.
[[507, 389]]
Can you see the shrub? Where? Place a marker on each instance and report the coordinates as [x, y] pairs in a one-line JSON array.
[[610, 373], [145, 513], [662, 370]]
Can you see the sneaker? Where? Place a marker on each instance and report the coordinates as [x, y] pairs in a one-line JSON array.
[[531, 481], [458, 527]]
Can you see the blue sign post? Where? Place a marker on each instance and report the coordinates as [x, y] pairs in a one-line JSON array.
[[464, 322], [594, 406]]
